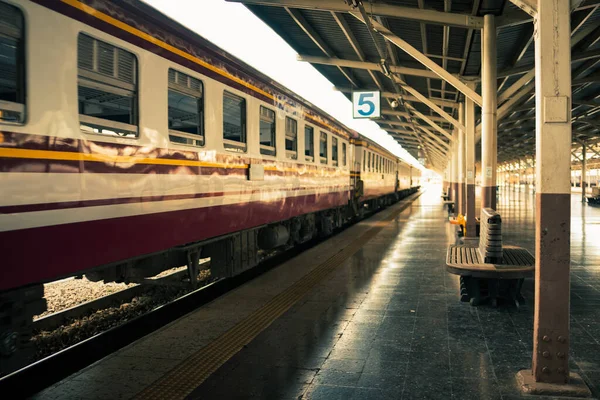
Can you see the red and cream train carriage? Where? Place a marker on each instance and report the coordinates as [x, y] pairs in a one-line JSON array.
[[129, 145]]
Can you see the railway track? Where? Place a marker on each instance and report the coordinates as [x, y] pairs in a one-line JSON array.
[[55, 320], [49, 370]]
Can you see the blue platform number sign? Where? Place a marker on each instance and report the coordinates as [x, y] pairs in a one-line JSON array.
[[366, 104]]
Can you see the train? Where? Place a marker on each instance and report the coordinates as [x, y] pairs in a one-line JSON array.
[[130, 144]]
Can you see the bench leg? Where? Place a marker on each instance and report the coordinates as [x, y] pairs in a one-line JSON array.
[[474, 288], [464, 289], [514, 291], [493, 291]]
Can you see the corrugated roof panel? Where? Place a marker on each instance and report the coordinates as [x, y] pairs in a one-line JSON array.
[[334, 75], [462, 6], [407, 30], [509, 41], [404, 3], [454, 66], [529, 56], [474, 59], [285, 26], [361, 33], [592, 21], [330, 32], [363, 77], [456, 44], [435, 39]]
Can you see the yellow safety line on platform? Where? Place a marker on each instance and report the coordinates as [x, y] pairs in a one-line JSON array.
[[190, 373]]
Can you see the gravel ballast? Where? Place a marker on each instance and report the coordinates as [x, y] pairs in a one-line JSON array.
[[69, 293]]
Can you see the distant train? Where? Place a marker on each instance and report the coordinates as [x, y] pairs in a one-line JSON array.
[[130, 145]]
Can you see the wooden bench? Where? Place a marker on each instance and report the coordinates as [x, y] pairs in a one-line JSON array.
[[490, 270]]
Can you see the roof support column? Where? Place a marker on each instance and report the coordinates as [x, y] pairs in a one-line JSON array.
[[470, 168], [583, 171], [489, 123], [550, 369], [461, 161], [446, 183], [455, 170]]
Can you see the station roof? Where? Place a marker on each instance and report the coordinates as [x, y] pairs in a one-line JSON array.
[[403, 48]]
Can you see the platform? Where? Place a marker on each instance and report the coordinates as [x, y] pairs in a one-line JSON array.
[[369, 314]]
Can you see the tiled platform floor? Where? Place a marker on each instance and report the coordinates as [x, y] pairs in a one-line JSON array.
[[386, 324]]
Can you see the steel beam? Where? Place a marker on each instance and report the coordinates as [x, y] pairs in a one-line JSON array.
[[423, 59], [433, 136], [339, 19], [429, 103], [338, 62], [529, 6], [505, 109], [409, 116], [525, 79], [430, 122], [435, 145], [577, 56], [380, 9]]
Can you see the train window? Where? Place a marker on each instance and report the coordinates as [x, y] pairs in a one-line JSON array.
[[291, 138], [234, 122], [107, 88], [185, 109], [323, 148], [12, 65], [344, 158], [364, 163], [369, 162], [334, 150], [309, 143], [267, 131]]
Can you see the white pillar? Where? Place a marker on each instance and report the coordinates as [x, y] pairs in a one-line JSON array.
[[583, 171], [461, 160], [470, 167], [455, 170], [489, 126]]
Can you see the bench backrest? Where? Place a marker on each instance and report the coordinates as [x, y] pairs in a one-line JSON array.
[[490, 238]]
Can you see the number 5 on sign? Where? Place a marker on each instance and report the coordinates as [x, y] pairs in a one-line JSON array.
[[366, 104]]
